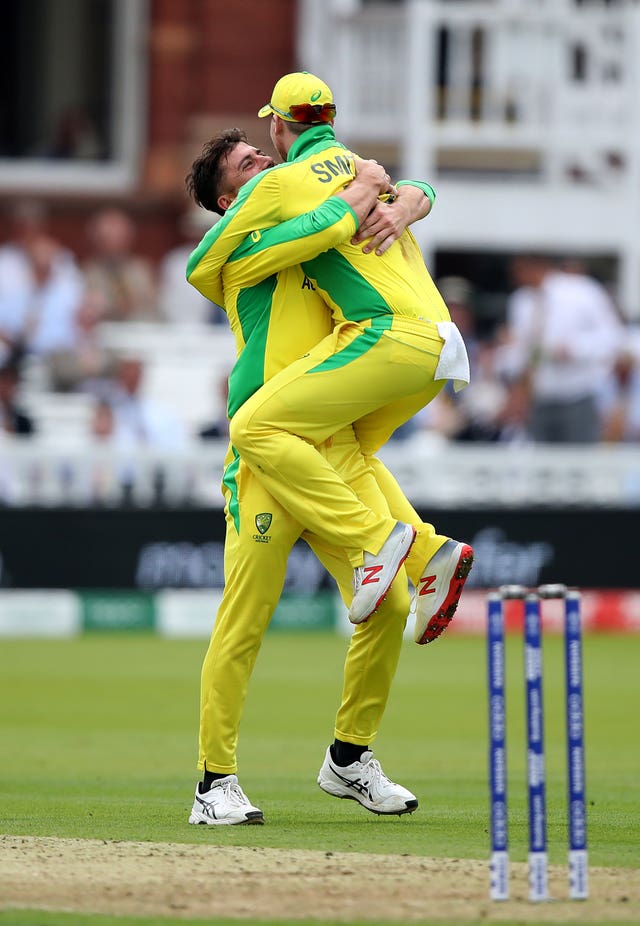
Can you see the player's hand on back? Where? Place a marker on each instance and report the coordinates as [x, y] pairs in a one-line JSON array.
[[384, 225]]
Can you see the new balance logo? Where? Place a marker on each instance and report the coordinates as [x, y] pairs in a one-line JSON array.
[[425, 582], [371, 574]]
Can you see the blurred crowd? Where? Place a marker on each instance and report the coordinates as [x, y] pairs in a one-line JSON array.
[[54, 309], [560, 366]]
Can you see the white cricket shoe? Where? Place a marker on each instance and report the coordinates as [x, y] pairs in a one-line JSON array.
[[224, 804], [373, 579], [439, 588], [365, 782]]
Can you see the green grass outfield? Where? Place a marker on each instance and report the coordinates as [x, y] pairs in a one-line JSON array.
[[99, 736]]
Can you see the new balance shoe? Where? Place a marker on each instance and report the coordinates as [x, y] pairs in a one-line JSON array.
[[225, 803], [439, 589], [365, 782], [373, 579]]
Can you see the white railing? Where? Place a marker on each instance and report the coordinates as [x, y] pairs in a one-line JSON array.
[[431, 472], [45, 471]]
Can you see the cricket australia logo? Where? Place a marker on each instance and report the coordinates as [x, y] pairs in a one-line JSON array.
[[263, 523]]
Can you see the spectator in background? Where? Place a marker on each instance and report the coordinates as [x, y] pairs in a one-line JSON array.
[[457, 292], [123, 277], [621, 401], [139, 421], [102, 424], [562, 338], [26, 220], [13, 420], [219, 426], [476, 413], [124, 421], [111, 478], [40, 285], [76, 137], [178, 300], [85, 365]]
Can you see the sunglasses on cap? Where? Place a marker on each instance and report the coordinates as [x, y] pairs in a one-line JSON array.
[[309, 112]]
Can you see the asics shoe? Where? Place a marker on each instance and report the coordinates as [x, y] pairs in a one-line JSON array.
[[365, 782], [224, 803], [373, 579], [439, 589]]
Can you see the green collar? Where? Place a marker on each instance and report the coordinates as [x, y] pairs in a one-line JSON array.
[[317, 138]]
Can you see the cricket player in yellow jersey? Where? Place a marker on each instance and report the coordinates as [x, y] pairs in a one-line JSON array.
[[260, 534], [392, 348], [263, 318]]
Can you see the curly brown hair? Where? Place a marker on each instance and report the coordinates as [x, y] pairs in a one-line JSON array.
[[204, 180]]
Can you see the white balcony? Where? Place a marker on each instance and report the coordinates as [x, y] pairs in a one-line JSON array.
[[525, 115]]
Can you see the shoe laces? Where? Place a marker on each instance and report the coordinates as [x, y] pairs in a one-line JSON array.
[[374, 775], [234, 793]]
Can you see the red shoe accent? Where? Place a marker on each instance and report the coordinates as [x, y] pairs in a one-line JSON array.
[[425, 582], [441, 620], [379, 570], [371, 574], [382, 597]]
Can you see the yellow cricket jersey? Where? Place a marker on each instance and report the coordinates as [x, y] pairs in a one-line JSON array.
[[291, 318], [274, 309], [274, 312], [356, 286]]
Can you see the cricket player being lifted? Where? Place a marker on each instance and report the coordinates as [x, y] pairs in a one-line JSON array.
[[392, 348]]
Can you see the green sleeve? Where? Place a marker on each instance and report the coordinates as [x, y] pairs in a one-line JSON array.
[[426, 188], [268, 250], [292, 242]]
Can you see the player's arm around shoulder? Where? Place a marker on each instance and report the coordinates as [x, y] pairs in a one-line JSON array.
[[292, 242], [268, 251]]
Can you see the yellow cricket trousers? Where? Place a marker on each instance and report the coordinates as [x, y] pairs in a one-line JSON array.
[[255, 569], [375, 378]]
